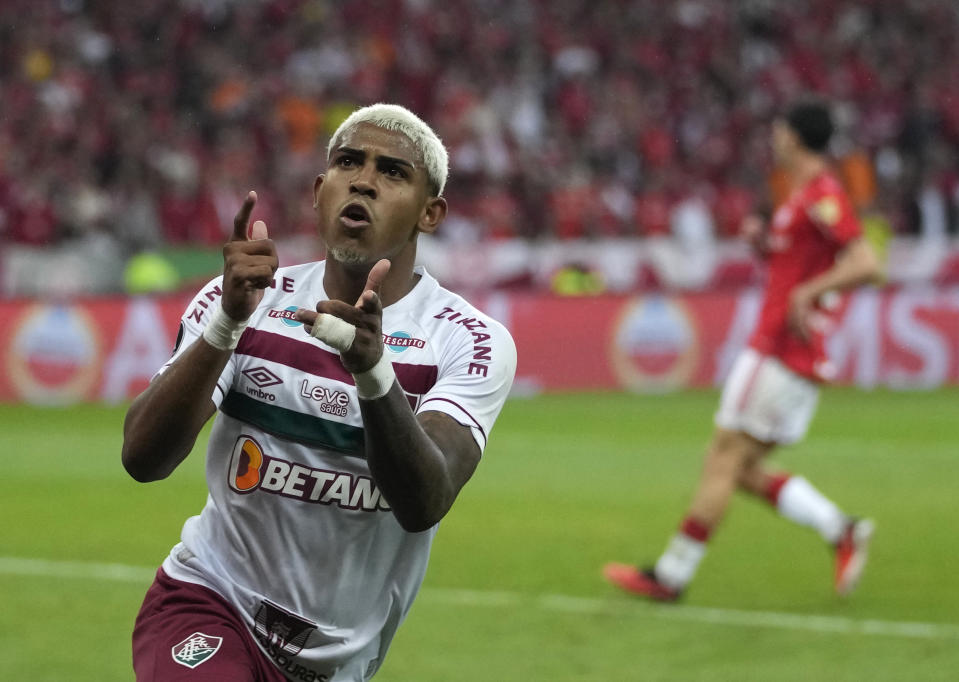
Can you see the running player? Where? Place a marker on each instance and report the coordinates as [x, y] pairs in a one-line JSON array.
[[355, 397], [814, 248]]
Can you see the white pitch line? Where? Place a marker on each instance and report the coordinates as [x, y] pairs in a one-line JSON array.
[[547, 602], [697, 614], [121, 573]]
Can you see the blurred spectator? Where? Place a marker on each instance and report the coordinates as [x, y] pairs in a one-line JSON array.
[[143, 123], [686, 258], [577, 279]]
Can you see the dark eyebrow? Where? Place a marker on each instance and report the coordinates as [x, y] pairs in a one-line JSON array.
[[380, 159], [395, 161], [348, 150]]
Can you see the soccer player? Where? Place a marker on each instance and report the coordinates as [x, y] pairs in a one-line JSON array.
[[814, 248], [355, 397]]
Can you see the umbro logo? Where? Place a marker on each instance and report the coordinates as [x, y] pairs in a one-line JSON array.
[[262, 377]]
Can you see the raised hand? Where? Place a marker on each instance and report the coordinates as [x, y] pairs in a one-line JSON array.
[[365, 316], [249, 263]]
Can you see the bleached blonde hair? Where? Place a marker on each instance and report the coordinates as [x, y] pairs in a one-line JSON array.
[[400, 119]]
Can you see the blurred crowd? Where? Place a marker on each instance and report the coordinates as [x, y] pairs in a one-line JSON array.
[[127, 126]]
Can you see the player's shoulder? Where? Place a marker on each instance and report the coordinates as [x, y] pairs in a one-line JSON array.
[[453, 308], [826, 200], [287, 273], [289, 278], [466, 331], [302, 270], [825, 184], [204, 300]]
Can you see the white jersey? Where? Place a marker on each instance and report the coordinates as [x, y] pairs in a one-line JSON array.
[[295, 533]]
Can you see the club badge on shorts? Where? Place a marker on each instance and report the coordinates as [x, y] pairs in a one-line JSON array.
[[196, 649]]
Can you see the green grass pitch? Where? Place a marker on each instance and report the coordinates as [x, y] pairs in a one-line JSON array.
[[514, 589]]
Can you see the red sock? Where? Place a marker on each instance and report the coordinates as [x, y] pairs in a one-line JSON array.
[[776, 483], [695, 529]]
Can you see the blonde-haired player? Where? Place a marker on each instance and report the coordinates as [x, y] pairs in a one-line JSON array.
[[355, 397]]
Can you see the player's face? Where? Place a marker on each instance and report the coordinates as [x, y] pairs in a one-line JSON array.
[[783, 141], [374, 197]]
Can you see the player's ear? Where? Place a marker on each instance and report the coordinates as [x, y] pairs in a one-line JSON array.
[[433, 214], [316, 189]]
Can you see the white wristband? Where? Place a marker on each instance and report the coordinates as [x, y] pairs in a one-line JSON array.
[[222, 331], [376, 381], [333, 331]]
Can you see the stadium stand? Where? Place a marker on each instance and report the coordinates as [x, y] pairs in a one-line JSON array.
[[130, 127]]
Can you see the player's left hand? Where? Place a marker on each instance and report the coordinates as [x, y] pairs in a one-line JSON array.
[[801, 312], [366, 315], [753, 231]]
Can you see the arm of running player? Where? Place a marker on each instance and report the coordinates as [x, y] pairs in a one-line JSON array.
[[164, 421], [855, 265], [419, 463], [755, 231]]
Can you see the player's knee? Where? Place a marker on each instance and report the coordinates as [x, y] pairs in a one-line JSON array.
[[752, 478], [729, 455], [723, 462]]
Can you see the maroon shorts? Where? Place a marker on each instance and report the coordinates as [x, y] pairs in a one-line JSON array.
[[188, 632]]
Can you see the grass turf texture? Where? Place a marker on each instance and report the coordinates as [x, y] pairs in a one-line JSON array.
[[568, 483]]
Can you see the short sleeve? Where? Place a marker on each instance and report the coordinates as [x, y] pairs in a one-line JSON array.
[[475, 376], [192, 324]]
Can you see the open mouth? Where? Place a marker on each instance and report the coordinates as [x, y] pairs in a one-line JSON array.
[[355, 215]]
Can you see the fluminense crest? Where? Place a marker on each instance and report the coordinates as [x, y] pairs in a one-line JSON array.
[[196, 649]]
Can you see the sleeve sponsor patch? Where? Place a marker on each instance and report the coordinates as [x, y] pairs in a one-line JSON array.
[[826, 211]]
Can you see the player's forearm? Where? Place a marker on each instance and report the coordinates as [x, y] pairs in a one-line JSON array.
[[163, 422], [407, 465]]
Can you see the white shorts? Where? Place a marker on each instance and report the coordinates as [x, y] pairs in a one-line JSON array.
[[766, 399]]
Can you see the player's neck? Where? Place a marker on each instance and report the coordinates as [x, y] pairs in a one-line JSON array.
[[346, 282], [805, 168]]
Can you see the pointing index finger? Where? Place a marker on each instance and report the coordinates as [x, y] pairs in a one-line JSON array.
[[377, 274], [243, 218]]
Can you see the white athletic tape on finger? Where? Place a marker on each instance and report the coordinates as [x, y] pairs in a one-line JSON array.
[[222, 331], [333, 331]]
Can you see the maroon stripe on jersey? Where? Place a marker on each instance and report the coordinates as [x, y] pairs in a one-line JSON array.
[[304, 356], [296, 354], [461, 408], [416, 379]]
